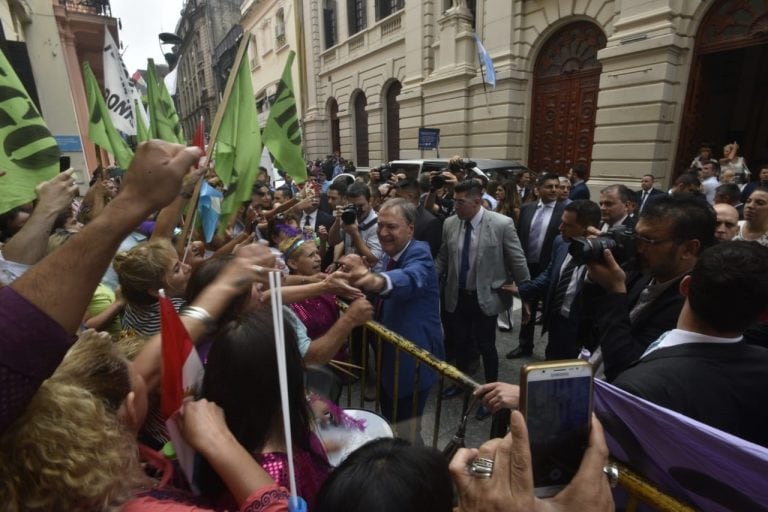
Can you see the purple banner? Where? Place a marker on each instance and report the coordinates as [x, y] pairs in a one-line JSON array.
[[700, 465]]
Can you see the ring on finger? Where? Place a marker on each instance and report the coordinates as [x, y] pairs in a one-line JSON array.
[[480, 468], [612, 472]]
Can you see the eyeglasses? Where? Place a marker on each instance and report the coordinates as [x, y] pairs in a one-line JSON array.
[[650, 241]]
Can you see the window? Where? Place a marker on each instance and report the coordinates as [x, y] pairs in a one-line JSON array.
[[361, 130], [329, 22], [356, 15], [333, 114], [386, 7], [280, 28]]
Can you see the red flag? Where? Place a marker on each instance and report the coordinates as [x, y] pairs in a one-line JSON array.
[[182, 368], [199, 138]]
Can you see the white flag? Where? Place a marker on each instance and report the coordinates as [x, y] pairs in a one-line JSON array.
[[119, 89]]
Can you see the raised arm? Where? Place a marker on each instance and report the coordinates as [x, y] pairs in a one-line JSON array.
[[152, 181]]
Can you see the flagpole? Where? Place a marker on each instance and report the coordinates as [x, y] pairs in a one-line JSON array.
[[485, 89], [215, 132]]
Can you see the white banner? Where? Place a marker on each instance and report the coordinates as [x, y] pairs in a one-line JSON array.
[[119, 91]]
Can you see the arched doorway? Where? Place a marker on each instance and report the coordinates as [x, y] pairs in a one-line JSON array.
[[726, 101], [333, 117], [393, 121], [361, 130], [566, 81]]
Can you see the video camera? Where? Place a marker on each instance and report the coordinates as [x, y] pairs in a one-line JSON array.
[[620, 240]]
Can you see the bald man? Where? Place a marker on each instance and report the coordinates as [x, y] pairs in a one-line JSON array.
[[727, 222]]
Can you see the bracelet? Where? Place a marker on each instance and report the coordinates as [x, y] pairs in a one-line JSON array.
[[198, 313]]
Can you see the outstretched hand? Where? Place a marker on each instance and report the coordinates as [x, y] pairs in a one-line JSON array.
[[155, 175]]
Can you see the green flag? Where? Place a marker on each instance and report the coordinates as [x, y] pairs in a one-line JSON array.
[[238, 145], [100, 127], [163, 119], [282, 134], [28, 152], [142, 132]]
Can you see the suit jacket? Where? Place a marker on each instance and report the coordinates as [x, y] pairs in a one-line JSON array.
[[543, 286], [323, 219], [553, 229], [412, 310], [579, 191], [722, 385], [428, 228], [653, 194], [623, 342], [499, 260]]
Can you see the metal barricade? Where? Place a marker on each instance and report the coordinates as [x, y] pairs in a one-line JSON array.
[[638, 489]]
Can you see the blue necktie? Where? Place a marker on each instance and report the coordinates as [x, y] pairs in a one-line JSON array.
[[464, 269]]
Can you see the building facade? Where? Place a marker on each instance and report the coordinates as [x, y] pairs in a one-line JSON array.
[[46, 41], [203, 26], [626, 87], [271, 25]]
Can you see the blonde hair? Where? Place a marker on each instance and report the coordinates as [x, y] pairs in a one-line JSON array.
[[143, 268], [68, 452], [96, 364], [131, 344]]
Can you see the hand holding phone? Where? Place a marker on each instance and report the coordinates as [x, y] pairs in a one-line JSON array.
[[556, 400]]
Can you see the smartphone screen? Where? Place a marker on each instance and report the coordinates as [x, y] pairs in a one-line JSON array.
[[558, 408], [64, 163]]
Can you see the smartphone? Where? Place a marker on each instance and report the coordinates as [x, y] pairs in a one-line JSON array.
[[64, 163], [556, 400]]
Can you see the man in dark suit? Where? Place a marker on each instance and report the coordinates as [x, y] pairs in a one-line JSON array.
[[616, 206], [313, 217], [561, 283], [480, 255], [646, 192], [703, 368], [408, 304], [537, 229], [578, 175], [637, 308]]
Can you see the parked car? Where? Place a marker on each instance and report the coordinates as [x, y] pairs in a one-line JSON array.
[[493, 169]]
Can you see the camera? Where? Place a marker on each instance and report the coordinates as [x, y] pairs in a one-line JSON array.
[[385, 172], [349, 214], [459, 165], [620, 240], [437, 182]]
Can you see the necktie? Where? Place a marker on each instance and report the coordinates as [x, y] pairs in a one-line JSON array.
[[307, 221], [464, 268], [562, 286], [642, 200], [535, 236]]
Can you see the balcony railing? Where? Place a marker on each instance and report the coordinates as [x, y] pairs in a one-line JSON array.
[[97, 7]]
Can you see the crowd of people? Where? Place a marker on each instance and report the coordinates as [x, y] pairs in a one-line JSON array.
[[665, 293]]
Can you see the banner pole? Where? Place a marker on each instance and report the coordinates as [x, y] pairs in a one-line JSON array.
[[188, 221]]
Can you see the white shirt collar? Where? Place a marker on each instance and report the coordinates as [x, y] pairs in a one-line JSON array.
[[475, 221], [680, 337], [397, 256]]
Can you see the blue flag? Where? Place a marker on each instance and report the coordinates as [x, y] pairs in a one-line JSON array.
[[489, 73], [209, 209]]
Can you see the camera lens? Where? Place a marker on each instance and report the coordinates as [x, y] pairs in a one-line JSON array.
[[349, 215]]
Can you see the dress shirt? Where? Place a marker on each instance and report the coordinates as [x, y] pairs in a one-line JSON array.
[[607, 226], [312, 219], [542, 217], [570, 292]]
